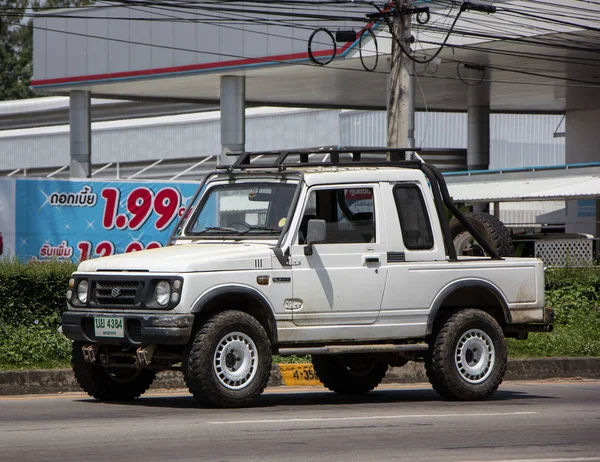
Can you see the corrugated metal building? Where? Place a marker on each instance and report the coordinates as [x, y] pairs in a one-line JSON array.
[[516, 140]]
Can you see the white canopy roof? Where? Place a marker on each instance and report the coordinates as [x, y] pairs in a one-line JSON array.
[[556, 188]]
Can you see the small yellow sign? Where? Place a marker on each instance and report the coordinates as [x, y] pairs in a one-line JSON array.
[[297, 375], [282, 222]]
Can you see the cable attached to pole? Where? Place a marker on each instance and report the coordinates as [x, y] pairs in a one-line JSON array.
[[311, 55], [475, 67], [360, 49], [465, 6]]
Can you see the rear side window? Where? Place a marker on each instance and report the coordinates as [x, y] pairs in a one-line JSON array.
[[414, 220]]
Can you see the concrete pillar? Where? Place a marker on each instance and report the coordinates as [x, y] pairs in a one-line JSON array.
[[478, 135], [233, 117], [80, 134]]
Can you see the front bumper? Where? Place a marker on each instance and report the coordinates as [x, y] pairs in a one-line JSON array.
[[138, 329]]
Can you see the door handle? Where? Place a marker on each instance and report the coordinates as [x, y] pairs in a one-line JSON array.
[[371, 260]]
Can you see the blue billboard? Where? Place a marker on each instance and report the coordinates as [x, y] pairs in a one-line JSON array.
[[77, 220]]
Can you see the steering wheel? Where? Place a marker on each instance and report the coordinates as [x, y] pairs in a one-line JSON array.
[[239, 225]]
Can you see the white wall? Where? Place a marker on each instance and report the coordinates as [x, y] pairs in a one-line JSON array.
[[582, 146]]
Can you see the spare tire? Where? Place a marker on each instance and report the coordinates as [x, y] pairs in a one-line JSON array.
[[492, 229]]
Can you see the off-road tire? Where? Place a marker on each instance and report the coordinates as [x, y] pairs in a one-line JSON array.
[[229, 336], [452, 373], [492, 229], [99, 383], [346, 375]]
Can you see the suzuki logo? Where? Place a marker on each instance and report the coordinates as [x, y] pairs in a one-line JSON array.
[[115, 292]]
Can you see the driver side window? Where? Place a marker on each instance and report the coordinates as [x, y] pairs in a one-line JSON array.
[[349, 215]]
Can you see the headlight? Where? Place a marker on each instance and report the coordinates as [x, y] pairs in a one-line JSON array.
[[82, 291], [162, 293]]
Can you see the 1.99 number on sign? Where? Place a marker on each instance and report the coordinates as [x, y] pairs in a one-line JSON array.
[[140, 204]]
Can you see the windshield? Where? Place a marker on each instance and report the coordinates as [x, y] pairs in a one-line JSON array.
[[252, 209]]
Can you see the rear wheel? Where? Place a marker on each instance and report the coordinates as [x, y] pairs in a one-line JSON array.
[[349, 374], [467, 356], [109, 384], [229, 361]]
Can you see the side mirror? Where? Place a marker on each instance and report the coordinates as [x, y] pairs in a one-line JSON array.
[[316, 234]]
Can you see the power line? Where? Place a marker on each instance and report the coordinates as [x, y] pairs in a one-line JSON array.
[[211, 53], [233, 12]]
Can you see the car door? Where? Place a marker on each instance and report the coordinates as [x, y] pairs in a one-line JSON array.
[[342, 281]]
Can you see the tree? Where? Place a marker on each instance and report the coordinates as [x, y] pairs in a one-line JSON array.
[[15, 51], [16, 43]]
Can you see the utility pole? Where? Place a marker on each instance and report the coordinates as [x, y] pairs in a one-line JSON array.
[[399, 98], [401, 85]]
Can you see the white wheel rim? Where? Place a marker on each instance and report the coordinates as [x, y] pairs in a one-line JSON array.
[[475, 356], [235, 360], [464, 243]]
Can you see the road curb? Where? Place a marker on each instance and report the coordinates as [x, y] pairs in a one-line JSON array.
[[62, 380]]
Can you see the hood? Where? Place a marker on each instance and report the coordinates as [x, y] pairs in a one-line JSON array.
[[186, 258]]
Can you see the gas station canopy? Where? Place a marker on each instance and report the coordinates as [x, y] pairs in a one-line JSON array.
[[176, 53]]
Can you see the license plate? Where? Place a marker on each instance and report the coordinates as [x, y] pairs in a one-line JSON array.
[[105, 326]]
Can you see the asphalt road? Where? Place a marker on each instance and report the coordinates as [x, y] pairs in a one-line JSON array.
[[533, 421]]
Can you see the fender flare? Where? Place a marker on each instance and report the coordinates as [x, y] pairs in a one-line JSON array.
[[237, 289], [461, 284]]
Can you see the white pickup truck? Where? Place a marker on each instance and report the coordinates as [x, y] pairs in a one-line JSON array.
[[349, 261]]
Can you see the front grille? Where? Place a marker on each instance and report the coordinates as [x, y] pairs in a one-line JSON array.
[[115, 293]]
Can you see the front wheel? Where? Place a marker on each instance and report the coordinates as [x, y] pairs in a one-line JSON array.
[[467, 357], [349, 374], [109, 384], [229, 361]]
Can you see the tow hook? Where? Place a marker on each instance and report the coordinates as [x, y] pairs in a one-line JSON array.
[[90, 352], [144, 355]]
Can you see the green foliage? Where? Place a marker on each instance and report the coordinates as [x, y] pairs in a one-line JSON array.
[[574, 293], [16, 43], [30, 346], [33, 294], [564, 341], [33, 298], [569, 276], [574, 306], [16, 50]]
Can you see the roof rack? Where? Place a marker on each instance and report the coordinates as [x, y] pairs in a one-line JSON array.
[[301, 158], [442, 199]]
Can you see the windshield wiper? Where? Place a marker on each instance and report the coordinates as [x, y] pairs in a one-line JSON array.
[[217, 229], [262, 228]]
